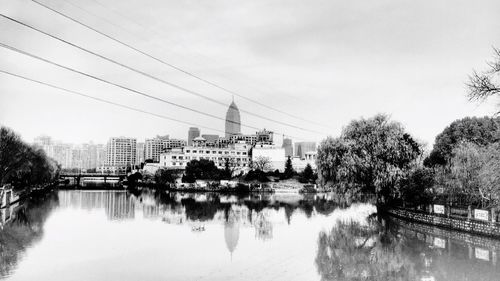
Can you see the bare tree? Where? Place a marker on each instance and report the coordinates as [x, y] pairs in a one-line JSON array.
[[486, 84], [262, 163]]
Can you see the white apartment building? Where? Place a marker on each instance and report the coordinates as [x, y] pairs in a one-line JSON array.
[[154, 147], [121, 152], [238, 155]]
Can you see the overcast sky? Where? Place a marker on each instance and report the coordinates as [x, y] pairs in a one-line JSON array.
[[329, 61]]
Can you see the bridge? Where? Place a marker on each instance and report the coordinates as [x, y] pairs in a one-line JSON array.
[[78, 177]]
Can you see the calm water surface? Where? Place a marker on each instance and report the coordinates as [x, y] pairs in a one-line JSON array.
[[115, 235]]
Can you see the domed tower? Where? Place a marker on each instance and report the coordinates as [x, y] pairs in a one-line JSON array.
[[233, 122]]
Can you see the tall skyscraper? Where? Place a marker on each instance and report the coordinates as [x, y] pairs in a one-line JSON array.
[[121, 152], [302, 147], [192, 134], [233, 121], [287, 145]]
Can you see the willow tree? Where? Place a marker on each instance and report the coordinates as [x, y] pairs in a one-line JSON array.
[[371, 156]]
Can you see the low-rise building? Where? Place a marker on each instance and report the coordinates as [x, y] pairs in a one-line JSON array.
[[275, 156], [299, 164], [237, 154]]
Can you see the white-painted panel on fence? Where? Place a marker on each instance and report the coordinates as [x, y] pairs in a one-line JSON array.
[[481, 214], [438, 209], [482, 254], [439, 243]]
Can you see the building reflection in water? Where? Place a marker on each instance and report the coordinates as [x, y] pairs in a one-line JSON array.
[[374, 249]]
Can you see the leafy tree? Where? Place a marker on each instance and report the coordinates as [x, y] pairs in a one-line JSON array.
[[257, 175], [22, 164], [486, 84], [289, 172], [372, 156], [164, 176], [416, 188], [480, 131], [201, 170], [133, 178]]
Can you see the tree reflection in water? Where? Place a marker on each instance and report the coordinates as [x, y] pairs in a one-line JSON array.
[[25, 228], [352, 251]]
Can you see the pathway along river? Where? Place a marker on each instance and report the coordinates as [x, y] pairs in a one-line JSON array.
[[114, 235]]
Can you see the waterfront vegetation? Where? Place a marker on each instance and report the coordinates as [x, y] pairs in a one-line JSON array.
[[23, 165]]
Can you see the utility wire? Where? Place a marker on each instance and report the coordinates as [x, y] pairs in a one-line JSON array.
[[124, 87], [107, 101], [174, 66], [118, 85], [152, 77]]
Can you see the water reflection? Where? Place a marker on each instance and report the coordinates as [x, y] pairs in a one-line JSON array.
[[21, 226], [392, 249], [255, 237]]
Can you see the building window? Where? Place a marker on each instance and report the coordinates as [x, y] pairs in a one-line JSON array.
[[188, 151]]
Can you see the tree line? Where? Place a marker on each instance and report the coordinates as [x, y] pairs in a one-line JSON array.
[[377, 156], [24, 165]]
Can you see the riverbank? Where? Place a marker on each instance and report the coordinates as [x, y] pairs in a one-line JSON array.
[[485, 227]]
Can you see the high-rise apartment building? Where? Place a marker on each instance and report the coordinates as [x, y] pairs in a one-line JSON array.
[[153, 147], [192, 134], [140, 153], [121, 152]]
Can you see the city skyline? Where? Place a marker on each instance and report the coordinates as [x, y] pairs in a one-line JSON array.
[[321, 71]]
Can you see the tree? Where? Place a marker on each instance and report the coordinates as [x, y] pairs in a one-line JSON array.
[[307, 175], [372, 156], [486, 84], [164, 176], [489, 174], [481, 131], [201, 170], [133, 178], [22, 164], [288, 173], [262, 163]]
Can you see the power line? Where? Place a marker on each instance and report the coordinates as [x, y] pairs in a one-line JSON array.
[[118, 85], [123, 87], [151, 76], [174, 66], [107, 101]]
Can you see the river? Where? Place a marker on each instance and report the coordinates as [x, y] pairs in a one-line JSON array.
[[115, 235]]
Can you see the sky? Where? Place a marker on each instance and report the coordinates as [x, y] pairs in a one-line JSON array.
[[325, 61]]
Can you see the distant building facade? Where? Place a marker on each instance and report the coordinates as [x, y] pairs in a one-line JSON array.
[[238, 156], [309, 158], [140, 155], [153, 147], [287, 145], [233, 121], [121, 152], [192, 134], [302, 147]]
